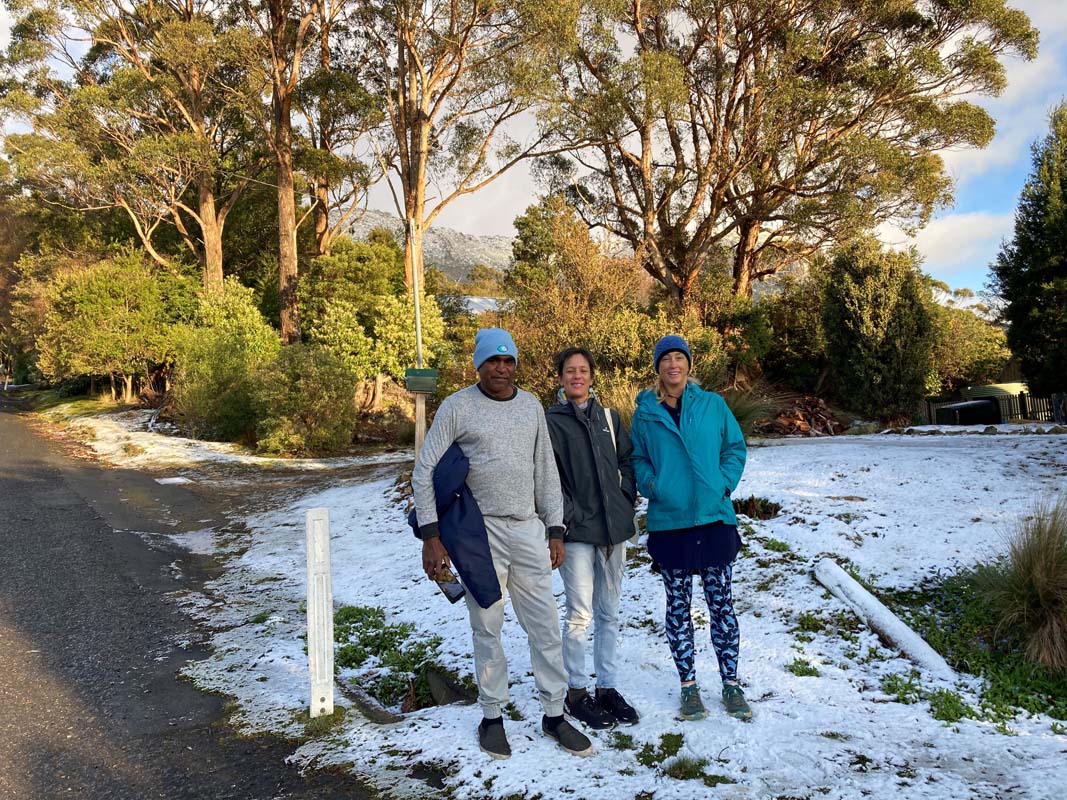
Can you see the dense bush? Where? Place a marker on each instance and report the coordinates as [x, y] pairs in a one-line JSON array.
[[354, 304], [304, 402], [111, 317], [967, 350], [217, 359], [879, 334], [798, 355], [564, 291]]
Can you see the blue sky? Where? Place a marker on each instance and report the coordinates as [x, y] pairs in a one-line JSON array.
[[961, 241]]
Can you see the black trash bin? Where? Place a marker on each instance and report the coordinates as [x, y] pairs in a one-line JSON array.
[[985, 411]]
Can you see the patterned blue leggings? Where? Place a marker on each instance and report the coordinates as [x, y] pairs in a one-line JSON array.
[[725, 635]]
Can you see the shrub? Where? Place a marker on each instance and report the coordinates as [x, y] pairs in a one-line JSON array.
[[879, 334], [798, 356], [619, 391], [967, 350], [757, 508], [216, 361], [1027, 590], [750, 406], [304, 402]]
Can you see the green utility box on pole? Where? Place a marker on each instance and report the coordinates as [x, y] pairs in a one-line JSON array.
[[421, 380]]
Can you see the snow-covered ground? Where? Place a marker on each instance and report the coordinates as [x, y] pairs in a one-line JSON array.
[[897, 508]]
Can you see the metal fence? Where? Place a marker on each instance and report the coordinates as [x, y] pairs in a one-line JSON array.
[[1013, 408]]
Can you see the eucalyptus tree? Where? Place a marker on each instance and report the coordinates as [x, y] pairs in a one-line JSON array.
[[772, 126], [460, 81], [339, 116], [286, 32], [141, 107]]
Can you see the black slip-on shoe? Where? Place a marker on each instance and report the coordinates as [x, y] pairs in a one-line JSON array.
[[588, 712], [491, 738], [570, 738], [613, 703]]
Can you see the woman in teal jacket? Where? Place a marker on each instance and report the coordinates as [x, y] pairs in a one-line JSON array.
[[688, 455]]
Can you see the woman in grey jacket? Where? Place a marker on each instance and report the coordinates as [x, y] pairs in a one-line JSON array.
[[592, 453]]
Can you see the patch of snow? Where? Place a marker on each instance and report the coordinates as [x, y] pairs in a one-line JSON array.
[[897, 508]]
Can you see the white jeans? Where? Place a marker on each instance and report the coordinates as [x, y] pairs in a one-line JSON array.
[[593, 583], [523, 568]]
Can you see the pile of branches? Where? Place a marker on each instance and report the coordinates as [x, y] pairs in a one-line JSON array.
[[805, 416]]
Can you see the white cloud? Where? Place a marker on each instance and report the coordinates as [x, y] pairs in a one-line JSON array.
[[1021, 113], [5, 26], [957, 245]]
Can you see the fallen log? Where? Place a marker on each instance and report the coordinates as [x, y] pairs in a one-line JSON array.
[[881, 620]]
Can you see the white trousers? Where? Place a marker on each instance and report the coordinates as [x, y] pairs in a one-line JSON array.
[[524, 569]]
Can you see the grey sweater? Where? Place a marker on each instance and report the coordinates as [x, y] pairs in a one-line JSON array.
[[512, 468]]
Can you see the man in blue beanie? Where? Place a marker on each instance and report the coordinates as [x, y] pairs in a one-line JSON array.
[[503, 433]]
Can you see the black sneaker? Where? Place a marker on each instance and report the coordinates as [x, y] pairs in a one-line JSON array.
[[570, 738], [587, 711], [491, 738], [613, 702]]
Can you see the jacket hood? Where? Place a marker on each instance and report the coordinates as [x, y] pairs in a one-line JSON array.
[[563, 405]]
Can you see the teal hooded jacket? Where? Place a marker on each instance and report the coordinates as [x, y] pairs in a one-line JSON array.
[[687, 474]]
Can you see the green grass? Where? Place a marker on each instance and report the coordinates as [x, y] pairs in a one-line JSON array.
[[810, 623], [402, 656], [685, 768], [948, 706], [903, 689], [1026, 590], [321, 725], [802, 668], [777, 545], [956, 619], [715, 780], [669, 745], [259, 618]]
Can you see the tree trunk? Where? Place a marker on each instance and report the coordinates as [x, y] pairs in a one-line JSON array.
[[112, 378], [211, 230], [413, 234], [376, 398], [287, 257], [323, 235], [127, 388], [745, 257]]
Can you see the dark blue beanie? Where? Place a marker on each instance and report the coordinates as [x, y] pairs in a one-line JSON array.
[[668, 344]]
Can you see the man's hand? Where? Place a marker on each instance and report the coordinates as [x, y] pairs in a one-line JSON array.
[[556, 551], [434, 556]]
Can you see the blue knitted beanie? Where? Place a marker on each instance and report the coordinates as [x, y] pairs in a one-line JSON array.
[[668, 344], [489, 342]]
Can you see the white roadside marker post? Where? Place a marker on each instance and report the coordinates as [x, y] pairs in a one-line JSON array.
[[320, 612]]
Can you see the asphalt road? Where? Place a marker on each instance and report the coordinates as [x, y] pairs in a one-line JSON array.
[[90, 702]]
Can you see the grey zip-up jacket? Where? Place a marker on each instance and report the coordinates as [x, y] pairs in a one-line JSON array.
[[596, 509]]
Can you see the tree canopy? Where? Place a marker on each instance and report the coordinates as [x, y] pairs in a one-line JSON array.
[[1030, 272]]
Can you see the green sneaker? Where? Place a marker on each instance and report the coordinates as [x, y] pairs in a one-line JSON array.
[[692, 707], [734, 700]]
